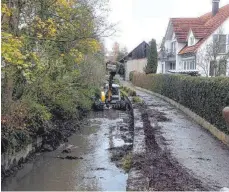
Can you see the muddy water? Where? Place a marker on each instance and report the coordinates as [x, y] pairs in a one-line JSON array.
[[94, 172]]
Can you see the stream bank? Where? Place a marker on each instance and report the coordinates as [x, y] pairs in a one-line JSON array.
[[56, 133]]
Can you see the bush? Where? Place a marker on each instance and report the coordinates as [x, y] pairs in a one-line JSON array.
[[128, 91], [205, 96], [134, 93], [137, 99]]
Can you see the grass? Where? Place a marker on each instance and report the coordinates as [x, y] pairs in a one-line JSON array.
[[127, 162], [128, 91]]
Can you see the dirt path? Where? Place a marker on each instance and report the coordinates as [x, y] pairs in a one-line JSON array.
[[180, 155], [162, 171]]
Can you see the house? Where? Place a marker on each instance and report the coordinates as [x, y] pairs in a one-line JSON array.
[[198, 45], [136, 60]]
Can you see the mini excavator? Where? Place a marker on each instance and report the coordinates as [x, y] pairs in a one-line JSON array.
[[111, 96]]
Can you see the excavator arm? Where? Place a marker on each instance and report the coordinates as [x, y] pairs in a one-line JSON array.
[[113, 69]]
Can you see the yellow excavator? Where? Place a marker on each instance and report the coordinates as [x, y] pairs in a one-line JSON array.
[[111, 96]]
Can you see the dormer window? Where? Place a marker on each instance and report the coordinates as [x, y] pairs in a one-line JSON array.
[[192, 41], [191, 38]]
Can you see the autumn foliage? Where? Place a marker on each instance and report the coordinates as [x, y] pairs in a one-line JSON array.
[[52, 60]]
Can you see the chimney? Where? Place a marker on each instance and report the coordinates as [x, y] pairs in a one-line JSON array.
[[215, 7]]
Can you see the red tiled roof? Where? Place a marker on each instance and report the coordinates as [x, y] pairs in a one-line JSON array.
[[202, 27]]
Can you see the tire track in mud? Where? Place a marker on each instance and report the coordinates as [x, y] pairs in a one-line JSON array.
[[162, 171]]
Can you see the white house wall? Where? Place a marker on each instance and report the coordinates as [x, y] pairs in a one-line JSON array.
[[159, 66], [225, 28], [168, 44], [134, 65], [178, 57]]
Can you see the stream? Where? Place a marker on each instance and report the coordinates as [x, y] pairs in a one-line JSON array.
[[94, 169]]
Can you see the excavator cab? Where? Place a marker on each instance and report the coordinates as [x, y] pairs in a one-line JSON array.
[[114, 95]]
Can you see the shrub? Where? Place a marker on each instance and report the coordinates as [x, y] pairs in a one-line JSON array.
[[137, 99], [204, 96], [134, 93]]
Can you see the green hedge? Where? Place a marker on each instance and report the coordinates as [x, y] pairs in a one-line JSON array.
[[204, 96]]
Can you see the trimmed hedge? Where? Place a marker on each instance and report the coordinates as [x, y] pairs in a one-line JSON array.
[[205, 96]]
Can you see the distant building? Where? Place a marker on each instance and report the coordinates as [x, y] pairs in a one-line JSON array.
[[136, 60]]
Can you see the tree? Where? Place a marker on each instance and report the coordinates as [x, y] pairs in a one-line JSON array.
[[121, 53], [51, 51], [152, 58], [114, 53], [212, 58]]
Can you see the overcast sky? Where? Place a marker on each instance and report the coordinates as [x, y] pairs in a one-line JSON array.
[[140, 20]]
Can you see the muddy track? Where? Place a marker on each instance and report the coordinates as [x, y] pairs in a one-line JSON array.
[[163, 172]]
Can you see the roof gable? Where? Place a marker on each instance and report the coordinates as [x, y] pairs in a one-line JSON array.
[[202, 27], [137, 51], [189, 34]]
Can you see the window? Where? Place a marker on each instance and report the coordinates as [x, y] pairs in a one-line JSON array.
[[185, 64], [172, 66], [222, 67], [219, 43], [173, 46], [218, 68], [212, 68], [191, 41], [189, 65], [222, 43], [192, 65], [114, 91]]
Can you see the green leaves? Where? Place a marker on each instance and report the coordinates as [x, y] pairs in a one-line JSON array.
[[53, 59]]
